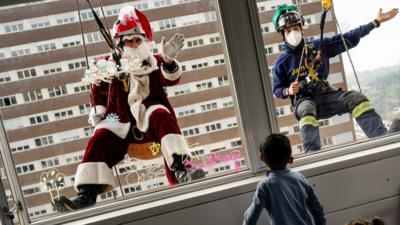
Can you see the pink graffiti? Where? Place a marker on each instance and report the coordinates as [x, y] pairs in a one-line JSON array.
[[212, 159]]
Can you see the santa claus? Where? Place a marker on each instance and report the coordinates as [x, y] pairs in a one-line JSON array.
[[132, 108]]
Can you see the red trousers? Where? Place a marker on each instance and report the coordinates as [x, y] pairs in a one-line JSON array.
[[105, 146]]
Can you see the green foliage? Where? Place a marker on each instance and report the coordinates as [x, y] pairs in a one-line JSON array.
[[382, 87]]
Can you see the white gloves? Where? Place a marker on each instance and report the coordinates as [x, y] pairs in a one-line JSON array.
[[171, 48], [95, 118]]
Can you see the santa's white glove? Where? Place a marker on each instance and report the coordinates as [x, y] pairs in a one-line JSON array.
[[171, 48], [95, 118]]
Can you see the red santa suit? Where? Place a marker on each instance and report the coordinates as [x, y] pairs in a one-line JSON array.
[[145, 108]]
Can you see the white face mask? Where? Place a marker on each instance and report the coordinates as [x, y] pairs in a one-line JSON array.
[[294, 38]]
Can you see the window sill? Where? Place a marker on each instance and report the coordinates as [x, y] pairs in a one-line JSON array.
[[231, 185]]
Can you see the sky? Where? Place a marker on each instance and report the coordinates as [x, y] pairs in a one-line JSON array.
[[382, 46]]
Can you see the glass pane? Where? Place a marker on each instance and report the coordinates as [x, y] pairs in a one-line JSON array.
[[51, 151], [329, 108]]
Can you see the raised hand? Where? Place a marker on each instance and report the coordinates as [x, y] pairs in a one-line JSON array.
[[385, 16], [171, 48]]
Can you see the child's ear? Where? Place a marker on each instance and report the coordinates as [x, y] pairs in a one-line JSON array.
[[290, 160], [262, 157]]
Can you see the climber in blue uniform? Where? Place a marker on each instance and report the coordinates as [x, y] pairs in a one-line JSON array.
[[306, 82]]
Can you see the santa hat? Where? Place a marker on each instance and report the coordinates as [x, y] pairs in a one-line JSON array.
[[131, 23]]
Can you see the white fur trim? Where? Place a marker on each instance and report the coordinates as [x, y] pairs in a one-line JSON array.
[[173, 144], [127, 10], [172, 76], [94, 173], [100, 110], [119, 129], [132, 36], [144, 117]]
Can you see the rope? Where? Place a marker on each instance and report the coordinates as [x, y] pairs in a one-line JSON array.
[[347, 51], [104, 15], [86, 56]]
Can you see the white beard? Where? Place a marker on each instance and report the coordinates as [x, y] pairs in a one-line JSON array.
[[142, 52]]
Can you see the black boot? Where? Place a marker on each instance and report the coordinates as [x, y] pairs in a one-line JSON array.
[[395, 127], [86, 197], [184, 172]]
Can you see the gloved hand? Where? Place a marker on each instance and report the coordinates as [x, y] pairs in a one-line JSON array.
[[171, 48], [95, 118]]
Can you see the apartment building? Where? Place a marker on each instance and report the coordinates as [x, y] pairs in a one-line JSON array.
[[44, 104]]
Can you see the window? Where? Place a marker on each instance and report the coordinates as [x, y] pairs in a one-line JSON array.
[[223, 80], [82, 88], [65, 18], [88, 15], [219, 61], [30, 191], [141, 6], [46, 47], [167, 24], [210, 16], [132, 189], [20, 148], [40, 25], [204, 85], [280, 111], [236, 143], [265, 29], [190, 132], [280, 47], [84, 109], [52, 70], [5, 79], [112, 12], [25, 168], [94, 37], [7, 101], [63, 114], [49, 163], [76, 65], [20, 52], [161, 3], [32, 95], [71, 44], [269, 50], [197, 152], [227, 104], [39, 119], [88, 131], [44, 141], [215, 39], [200, 65], [26, 73], [194, 43], [14, 28], [213, 127], [208, 106], [61, 118], [57, 91]]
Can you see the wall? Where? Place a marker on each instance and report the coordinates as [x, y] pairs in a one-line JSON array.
[[355, 186]]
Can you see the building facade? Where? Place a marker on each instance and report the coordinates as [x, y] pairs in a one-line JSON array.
[[44, 104]]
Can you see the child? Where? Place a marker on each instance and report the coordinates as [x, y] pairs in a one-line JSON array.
[[285, 194], [374, 221]]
